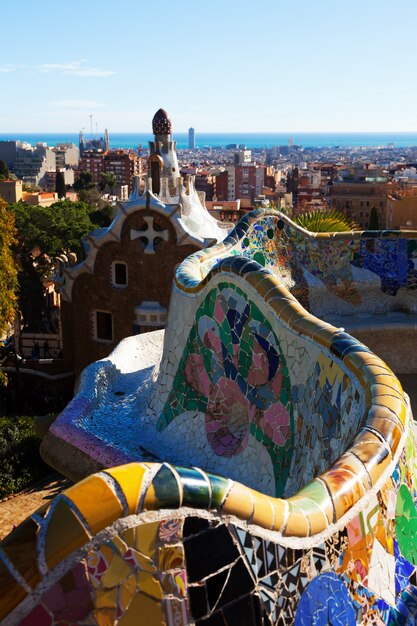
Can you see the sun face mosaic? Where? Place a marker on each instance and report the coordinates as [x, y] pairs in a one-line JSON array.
[[244, 366]]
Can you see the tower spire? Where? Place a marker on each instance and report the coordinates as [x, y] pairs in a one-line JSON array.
[[161, 124]]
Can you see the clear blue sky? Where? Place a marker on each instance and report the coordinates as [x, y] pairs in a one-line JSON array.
[[222, 65]]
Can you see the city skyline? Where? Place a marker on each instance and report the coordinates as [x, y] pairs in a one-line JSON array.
[[268, 68]]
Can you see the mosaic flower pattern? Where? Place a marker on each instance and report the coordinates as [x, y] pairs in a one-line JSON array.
[[234, 371]]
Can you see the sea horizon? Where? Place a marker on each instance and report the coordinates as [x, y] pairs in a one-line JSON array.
[[249, 139]]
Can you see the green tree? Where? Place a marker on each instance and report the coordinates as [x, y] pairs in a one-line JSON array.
[[84, 181], [60, 187], [108, 180], [4, 170], [57, 228], [374, 219], [8, 271], [325, 221], [42, 234], [93, 198]]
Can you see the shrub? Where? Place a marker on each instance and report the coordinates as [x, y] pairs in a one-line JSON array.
[[20, 461]]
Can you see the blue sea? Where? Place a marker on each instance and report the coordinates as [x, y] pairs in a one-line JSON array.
[[251, 140]]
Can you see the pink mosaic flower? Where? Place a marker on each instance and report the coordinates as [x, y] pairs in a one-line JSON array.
[[275, 423], [259, 371], [228, 417], [196, 375]]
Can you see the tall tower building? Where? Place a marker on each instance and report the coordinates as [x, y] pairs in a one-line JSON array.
[[163, 157], [191, 138], [81, 143]]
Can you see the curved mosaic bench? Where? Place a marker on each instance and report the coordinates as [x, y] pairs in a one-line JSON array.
[[319, 424]]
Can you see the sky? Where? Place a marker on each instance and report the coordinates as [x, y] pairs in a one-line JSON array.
[[219, 66]]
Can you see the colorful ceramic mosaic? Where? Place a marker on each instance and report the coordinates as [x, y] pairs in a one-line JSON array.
[[368, 271], [251, 386], [128, 562], [234, 371]]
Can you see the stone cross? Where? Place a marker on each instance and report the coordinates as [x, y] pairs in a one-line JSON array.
[[148, 233]]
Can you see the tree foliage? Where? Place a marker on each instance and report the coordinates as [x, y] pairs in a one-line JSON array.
[[108, 180], [84, 181], [325, 221], [60, 187], [56, 228], [20, 461], [93, 198], [4, 170], [8, 271], [42, 234]]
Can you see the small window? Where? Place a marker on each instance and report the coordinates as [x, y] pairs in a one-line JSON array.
[[103, 326], [119, 274]]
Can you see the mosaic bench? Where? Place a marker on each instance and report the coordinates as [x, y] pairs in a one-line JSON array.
[[269, 466]]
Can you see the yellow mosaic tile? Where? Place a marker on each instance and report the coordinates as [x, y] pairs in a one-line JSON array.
[[65, 534], [150, 585], [373, 454], [380, 389], [390, 381], [117, 571], [20, 549], [106, 598], [391, 432], [297, 523], [127, 591], [146, 535], [150, 612], [118, 545], [383, 412], [395, 405], [130, 478], [11, 592], [239, 502], [264, 510], [129, 536], [86, 494], [105, 617], [305, 325]]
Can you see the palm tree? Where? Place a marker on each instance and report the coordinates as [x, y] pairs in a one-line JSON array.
[[325, 221]]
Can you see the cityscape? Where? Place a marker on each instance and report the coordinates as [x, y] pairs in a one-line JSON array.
[[305, 178], [208, 314]]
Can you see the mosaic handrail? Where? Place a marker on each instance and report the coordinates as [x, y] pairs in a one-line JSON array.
[[193, 271]]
